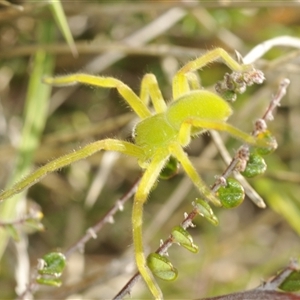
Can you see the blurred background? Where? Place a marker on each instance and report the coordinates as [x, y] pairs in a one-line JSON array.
[[126, 39]]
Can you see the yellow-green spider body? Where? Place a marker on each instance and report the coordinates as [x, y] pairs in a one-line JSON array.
[[158, 135], [158, 131]]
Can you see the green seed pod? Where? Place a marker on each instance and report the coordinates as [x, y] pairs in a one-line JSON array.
[[171, 169], [53, 264], [232, 194], [204, 210], [256, 165], [161, 267], [183, 238]]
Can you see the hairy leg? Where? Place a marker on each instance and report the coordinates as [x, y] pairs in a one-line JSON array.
[[106, 82], [150, 89], [184, 136], [148, 180], [88, 150], [181, 82], [177, 151]]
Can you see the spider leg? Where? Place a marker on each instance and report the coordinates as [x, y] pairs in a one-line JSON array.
[[88, 150], [150, 89], [193, 80], [177, 151], [106, 82], [148, 180], [181, 82], [184, 136]]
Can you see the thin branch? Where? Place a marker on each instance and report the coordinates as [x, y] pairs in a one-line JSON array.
[[91, 233], [258, 51], [277, 280], [107, 218], [85, 48], [33, 215], [268, 289]]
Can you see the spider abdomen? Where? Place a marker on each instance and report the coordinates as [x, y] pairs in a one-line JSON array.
[[200, 104]]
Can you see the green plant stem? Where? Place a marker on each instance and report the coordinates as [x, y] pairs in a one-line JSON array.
[[61, 20], [35, 115]]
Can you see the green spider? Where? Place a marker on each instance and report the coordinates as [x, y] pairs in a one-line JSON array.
[[158, 135]]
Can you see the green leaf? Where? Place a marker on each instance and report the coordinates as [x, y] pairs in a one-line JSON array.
[[13, 232], [35, 224], [204, 210], [270, 139], [35, 116], [49, 281], [53, 264], [231, 195], [256, 165], [161, 267], [183, 238], [291, 283], [60, 17], [171, 168]]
